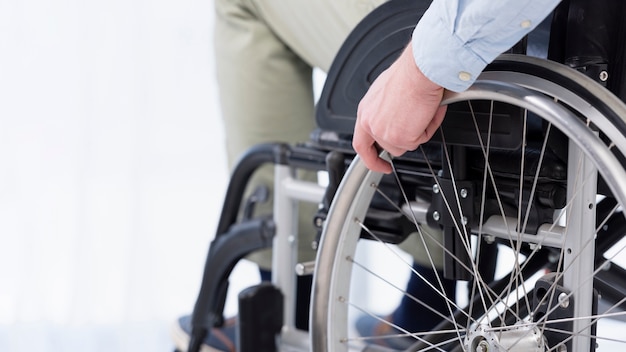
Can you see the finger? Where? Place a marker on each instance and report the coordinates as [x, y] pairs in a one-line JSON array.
[[439, 116], [433, 125], [393, 149], [366, 148], [373, 162]]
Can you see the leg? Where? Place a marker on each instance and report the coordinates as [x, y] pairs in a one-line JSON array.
[[266, 88], [265, 93], [265, 51]]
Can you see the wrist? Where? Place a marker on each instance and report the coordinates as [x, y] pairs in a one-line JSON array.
[[412, 71]]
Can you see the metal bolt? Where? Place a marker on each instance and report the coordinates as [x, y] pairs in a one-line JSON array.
[[483, 346], [464, 220], [561, 348], [489, 238], [604, 76], [435, 188], [463, 193], [436, 216], [564, 300], [553, 257]]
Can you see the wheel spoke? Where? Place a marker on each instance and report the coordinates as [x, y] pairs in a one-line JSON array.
[[541, 297]]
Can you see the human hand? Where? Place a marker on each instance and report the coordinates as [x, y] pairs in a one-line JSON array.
[[400, 111]]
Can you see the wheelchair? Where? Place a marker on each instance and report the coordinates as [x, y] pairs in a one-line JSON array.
[[529, 161]]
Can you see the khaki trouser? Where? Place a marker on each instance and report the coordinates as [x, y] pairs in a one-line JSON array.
[[265, 51]]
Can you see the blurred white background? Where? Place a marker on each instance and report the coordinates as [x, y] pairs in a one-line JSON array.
[[112, 173], [112, 170]]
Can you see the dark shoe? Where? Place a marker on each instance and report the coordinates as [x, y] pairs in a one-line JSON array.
[[220, 339], [378, 333]]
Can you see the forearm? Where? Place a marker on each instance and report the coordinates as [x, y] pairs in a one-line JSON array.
[[455, 40]]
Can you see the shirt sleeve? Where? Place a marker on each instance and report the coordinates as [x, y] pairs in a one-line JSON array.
[[456, 39]]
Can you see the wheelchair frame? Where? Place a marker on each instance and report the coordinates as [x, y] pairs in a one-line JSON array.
[[336, 117]]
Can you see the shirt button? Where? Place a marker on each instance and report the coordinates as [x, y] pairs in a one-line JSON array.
[[525, 24], [465, 76]]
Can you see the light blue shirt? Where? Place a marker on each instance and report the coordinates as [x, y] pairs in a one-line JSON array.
[[456, 39]]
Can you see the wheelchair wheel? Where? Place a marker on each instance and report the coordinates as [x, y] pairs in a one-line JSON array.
[[531, 159]]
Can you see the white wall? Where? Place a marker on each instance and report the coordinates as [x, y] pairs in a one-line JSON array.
[[111, 170]]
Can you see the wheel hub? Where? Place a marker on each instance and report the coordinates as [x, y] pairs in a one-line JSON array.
[[518, 338]]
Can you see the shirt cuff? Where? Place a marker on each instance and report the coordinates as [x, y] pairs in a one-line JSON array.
[[442, 56]]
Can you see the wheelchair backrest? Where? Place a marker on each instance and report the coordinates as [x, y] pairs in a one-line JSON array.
[[371, 47]]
